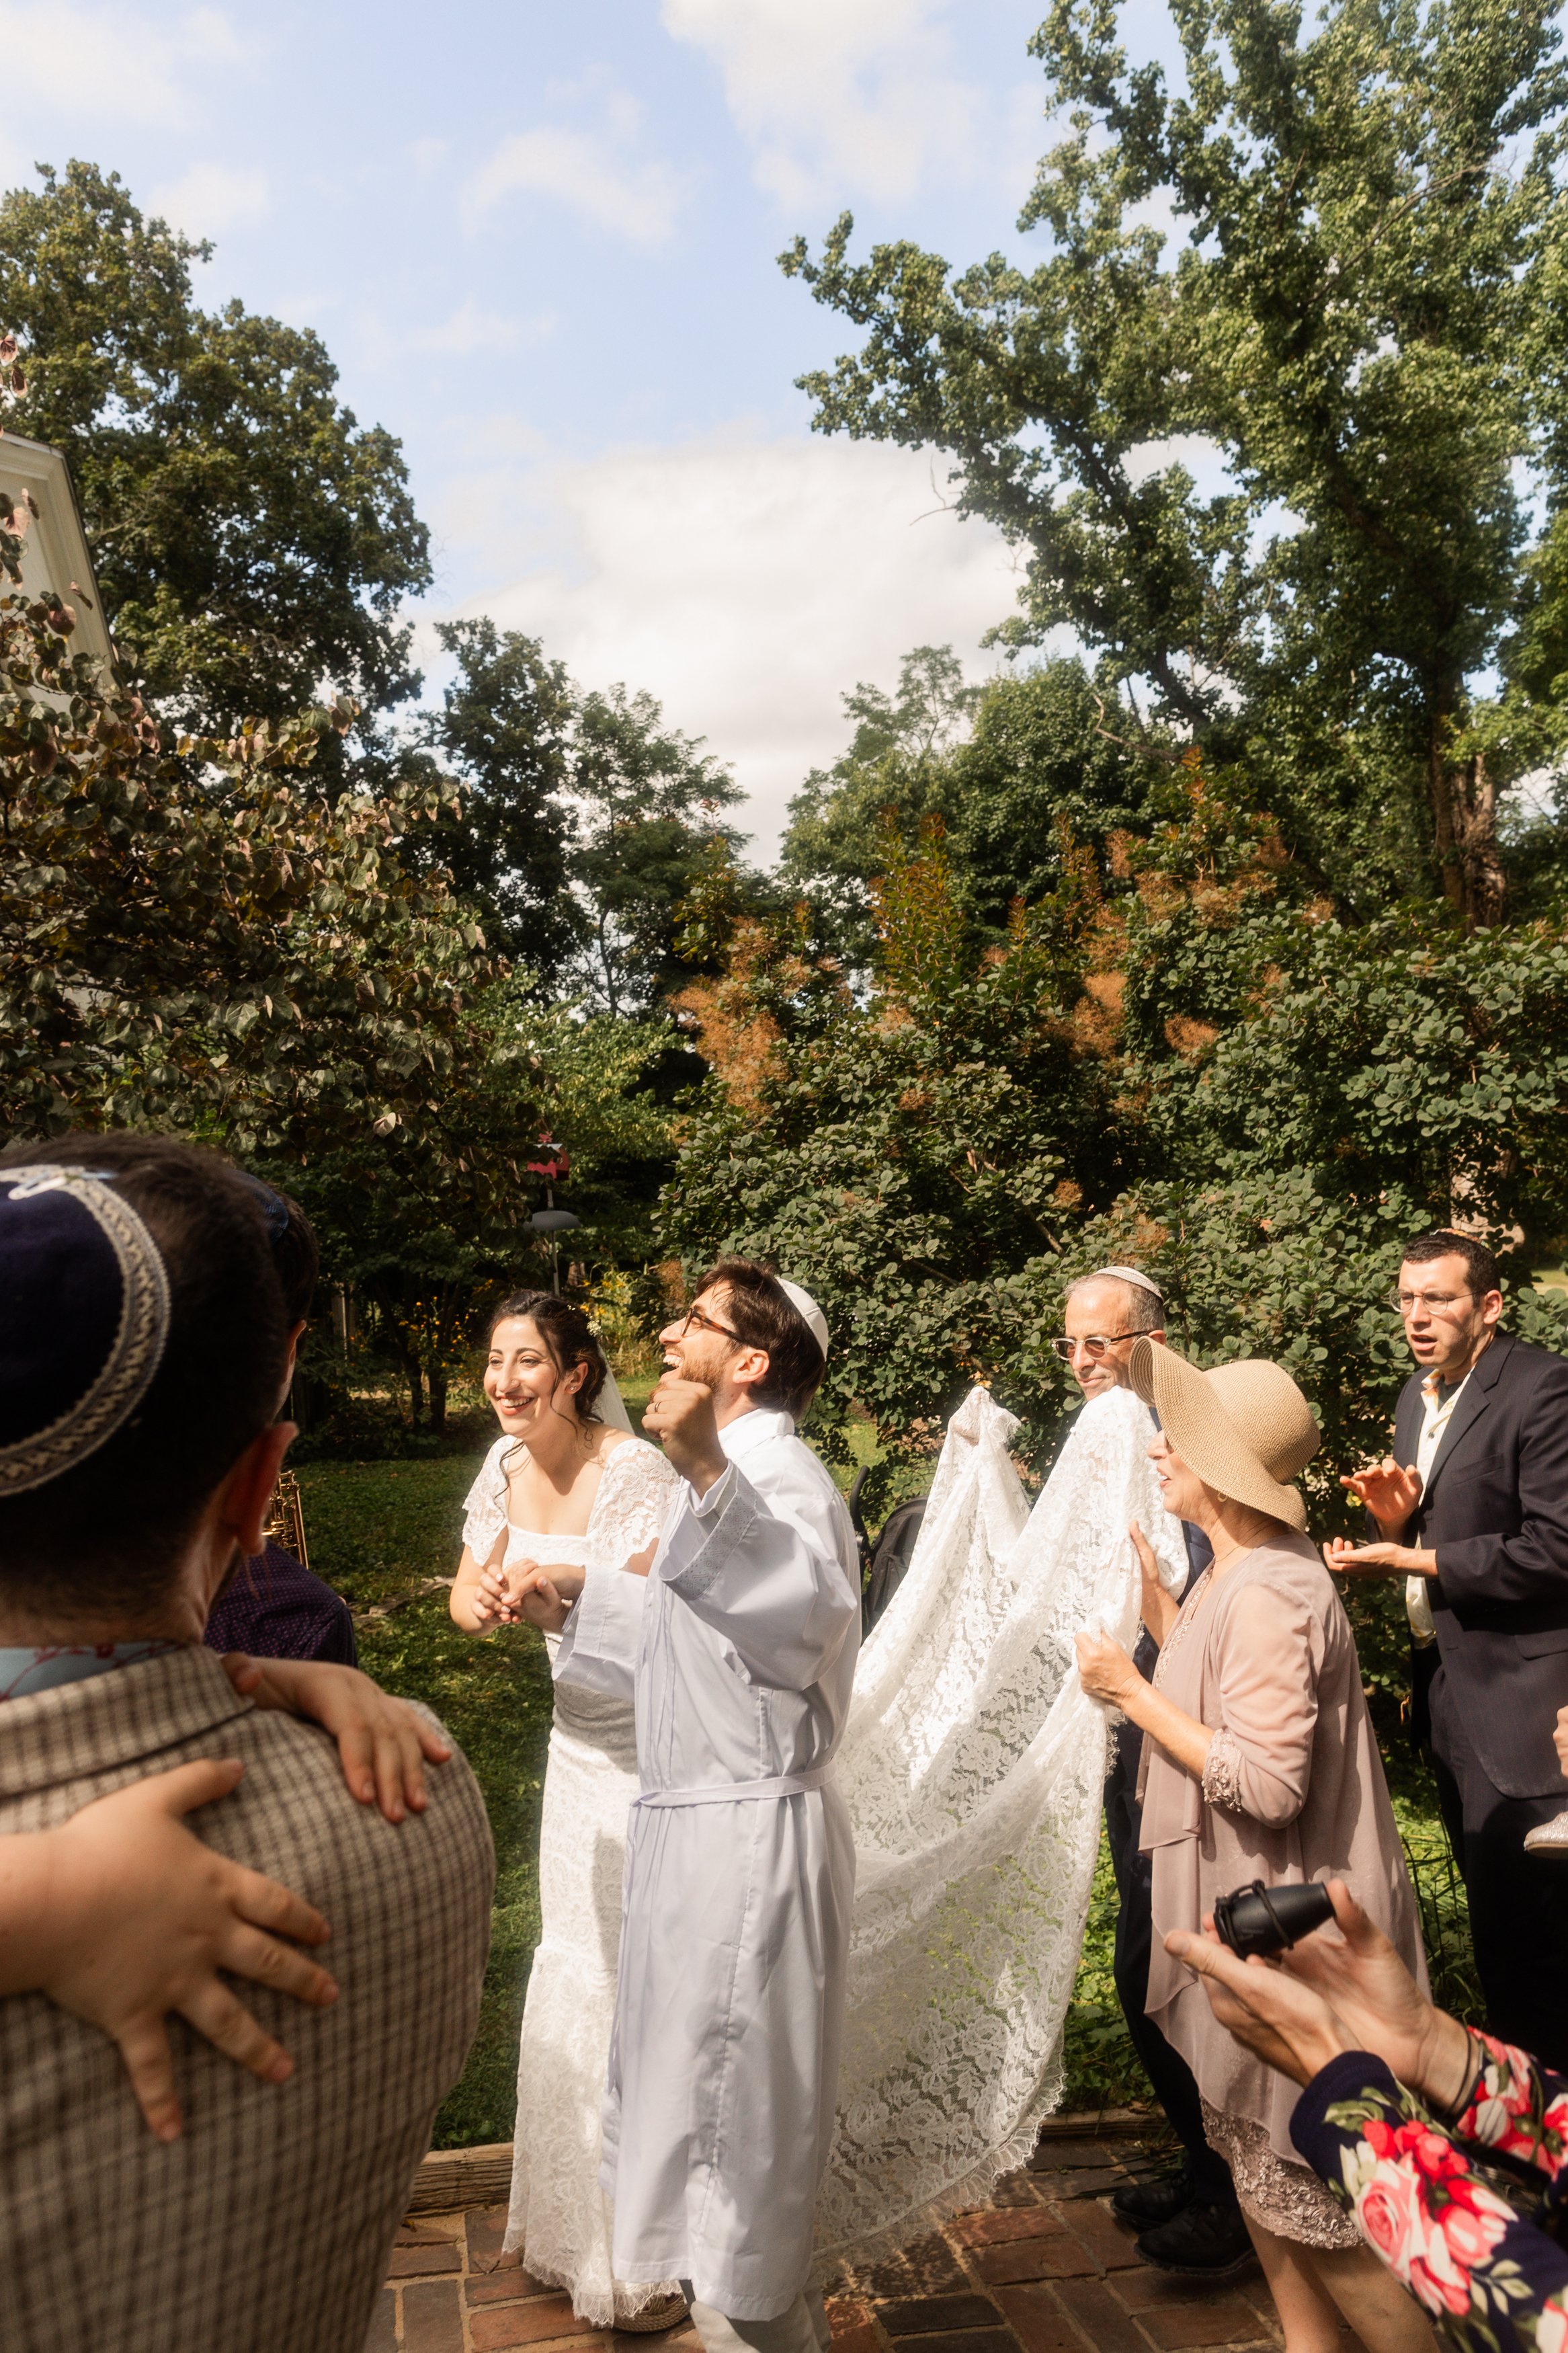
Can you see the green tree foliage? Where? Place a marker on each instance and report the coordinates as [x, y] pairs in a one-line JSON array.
[[444, 1232], [188, 938], [1180, 1059], [907, 1157], [591, 833], [1360, 331], [191, 941], [250, 538], [648, 804], [1018, 771], [505, 731]]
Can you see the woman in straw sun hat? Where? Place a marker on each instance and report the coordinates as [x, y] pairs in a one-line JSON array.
[[1258, 1763]]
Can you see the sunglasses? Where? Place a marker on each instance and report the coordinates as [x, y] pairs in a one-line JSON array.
[[1094, 1348]]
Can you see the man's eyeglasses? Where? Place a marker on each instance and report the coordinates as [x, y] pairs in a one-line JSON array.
[[706, 1323], [1436, 1303], [1094, 1348]]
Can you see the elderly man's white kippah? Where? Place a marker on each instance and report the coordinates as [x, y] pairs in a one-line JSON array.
[[810, 1314], [1129, 1274]]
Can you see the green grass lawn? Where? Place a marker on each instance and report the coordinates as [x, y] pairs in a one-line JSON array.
[[377, 1529]]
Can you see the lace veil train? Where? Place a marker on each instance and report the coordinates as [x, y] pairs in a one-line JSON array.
[[972, 1765]]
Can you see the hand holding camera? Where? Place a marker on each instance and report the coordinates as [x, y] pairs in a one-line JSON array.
[[1299, 2004]]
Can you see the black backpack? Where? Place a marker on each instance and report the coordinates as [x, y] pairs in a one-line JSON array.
[[886, 1557]]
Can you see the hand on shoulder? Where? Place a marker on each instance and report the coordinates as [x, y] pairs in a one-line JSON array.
[[384, 1744]]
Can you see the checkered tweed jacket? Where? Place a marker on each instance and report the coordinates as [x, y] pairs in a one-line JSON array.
[[266, 2226]]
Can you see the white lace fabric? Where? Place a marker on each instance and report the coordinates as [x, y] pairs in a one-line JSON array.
[[560, 2217], [974, 1765]]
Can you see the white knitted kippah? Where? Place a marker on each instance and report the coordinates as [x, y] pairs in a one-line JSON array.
[[1129, 1274], [810, 1314]]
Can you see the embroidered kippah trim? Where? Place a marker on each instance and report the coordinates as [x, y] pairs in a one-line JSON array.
[[137, 1351]]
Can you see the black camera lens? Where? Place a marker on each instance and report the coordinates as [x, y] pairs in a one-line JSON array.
[[1265, 1920]]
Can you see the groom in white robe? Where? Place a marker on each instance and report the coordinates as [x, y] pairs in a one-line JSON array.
[[740, 1648]]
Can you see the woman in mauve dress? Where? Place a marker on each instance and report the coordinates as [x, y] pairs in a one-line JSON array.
[[1259, 1762]]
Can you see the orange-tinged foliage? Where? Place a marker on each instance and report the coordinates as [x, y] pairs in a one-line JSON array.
[[1189, 1038]]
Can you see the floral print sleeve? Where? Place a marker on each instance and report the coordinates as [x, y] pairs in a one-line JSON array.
[[1519, 2110], [1493, 2281]]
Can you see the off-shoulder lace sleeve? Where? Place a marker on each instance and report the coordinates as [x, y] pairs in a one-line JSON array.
[[486, 1506], [634, 1494]]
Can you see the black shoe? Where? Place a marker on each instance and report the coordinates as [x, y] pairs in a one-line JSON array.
[[1201, 2241], [1159, 2199]]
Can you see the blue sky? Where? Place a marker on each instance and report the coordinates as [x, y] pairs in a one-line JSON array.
[[539, 242]]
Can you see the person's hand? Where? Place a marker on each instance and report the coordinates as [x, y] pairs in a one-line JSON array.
[[1105, 1671], [537, 1596], [1286, 2024], [1360, 1975], [1390, 1491], [136, 1918], [1343, 1988], [529, 1582], [680, 1418], [1156, 1607], [384, 1745], [490, 1599], [1559, 1740], [1347, 1560]]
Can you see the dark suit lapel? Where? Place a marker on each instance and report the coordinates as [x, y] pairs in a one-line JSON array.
[[1469, 1408]]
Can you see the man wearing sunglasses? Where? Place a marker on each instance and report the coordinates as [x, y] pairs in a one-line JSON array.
[[1189, 2218], [1472, 1514]]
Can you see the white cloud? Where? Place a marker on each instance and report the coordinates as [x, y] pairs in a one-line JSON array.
[[840, 97], [592, 171], [209, 198], [472, 329], [747, 583], [90, 61]]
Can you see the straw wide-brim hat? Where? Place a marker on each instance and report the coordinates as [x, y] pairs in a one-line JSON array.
[[1245, 1428]]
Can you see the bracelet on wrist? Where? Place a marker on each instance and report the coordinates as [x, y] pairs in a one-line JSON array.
[[1451, 2110]]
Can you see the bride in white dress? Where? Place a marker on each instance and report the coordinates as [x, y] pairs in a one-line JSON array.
[[566, 1482]]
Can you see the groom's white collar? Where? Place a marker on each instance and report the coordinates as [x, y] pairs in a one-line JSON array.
[[749, 1430]]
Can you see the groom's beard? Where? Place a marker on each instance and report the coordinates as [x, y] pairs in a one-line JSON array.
[[699, 1358]]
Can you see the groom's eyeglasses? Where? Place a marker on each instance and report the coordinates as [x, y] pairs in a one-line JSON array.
[[1094, 1348], [706, 1323]]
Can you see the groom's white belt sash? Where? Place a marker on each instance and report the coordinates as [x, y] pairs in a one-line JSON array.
[[723, 1793]]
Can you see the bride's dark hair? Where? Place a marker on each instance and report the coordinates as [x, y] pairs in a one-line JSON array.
[[568, 1338]]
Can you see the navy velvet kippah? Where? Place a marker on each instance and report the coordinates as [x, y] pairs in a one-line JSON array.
[[84, 1315], [273, 1206]]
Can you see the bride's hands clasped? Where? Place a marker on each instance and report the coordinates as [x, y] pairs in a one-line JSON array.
[[489, 1600], [543, 1596]]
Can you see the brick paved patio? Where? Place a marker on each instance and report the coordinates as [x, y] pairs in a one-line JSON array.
[[1046, 2268]]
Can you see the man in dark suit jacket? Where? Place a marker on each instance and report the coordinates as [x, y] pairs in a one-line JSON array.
[[1188, 2217], [1472, 1508]]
